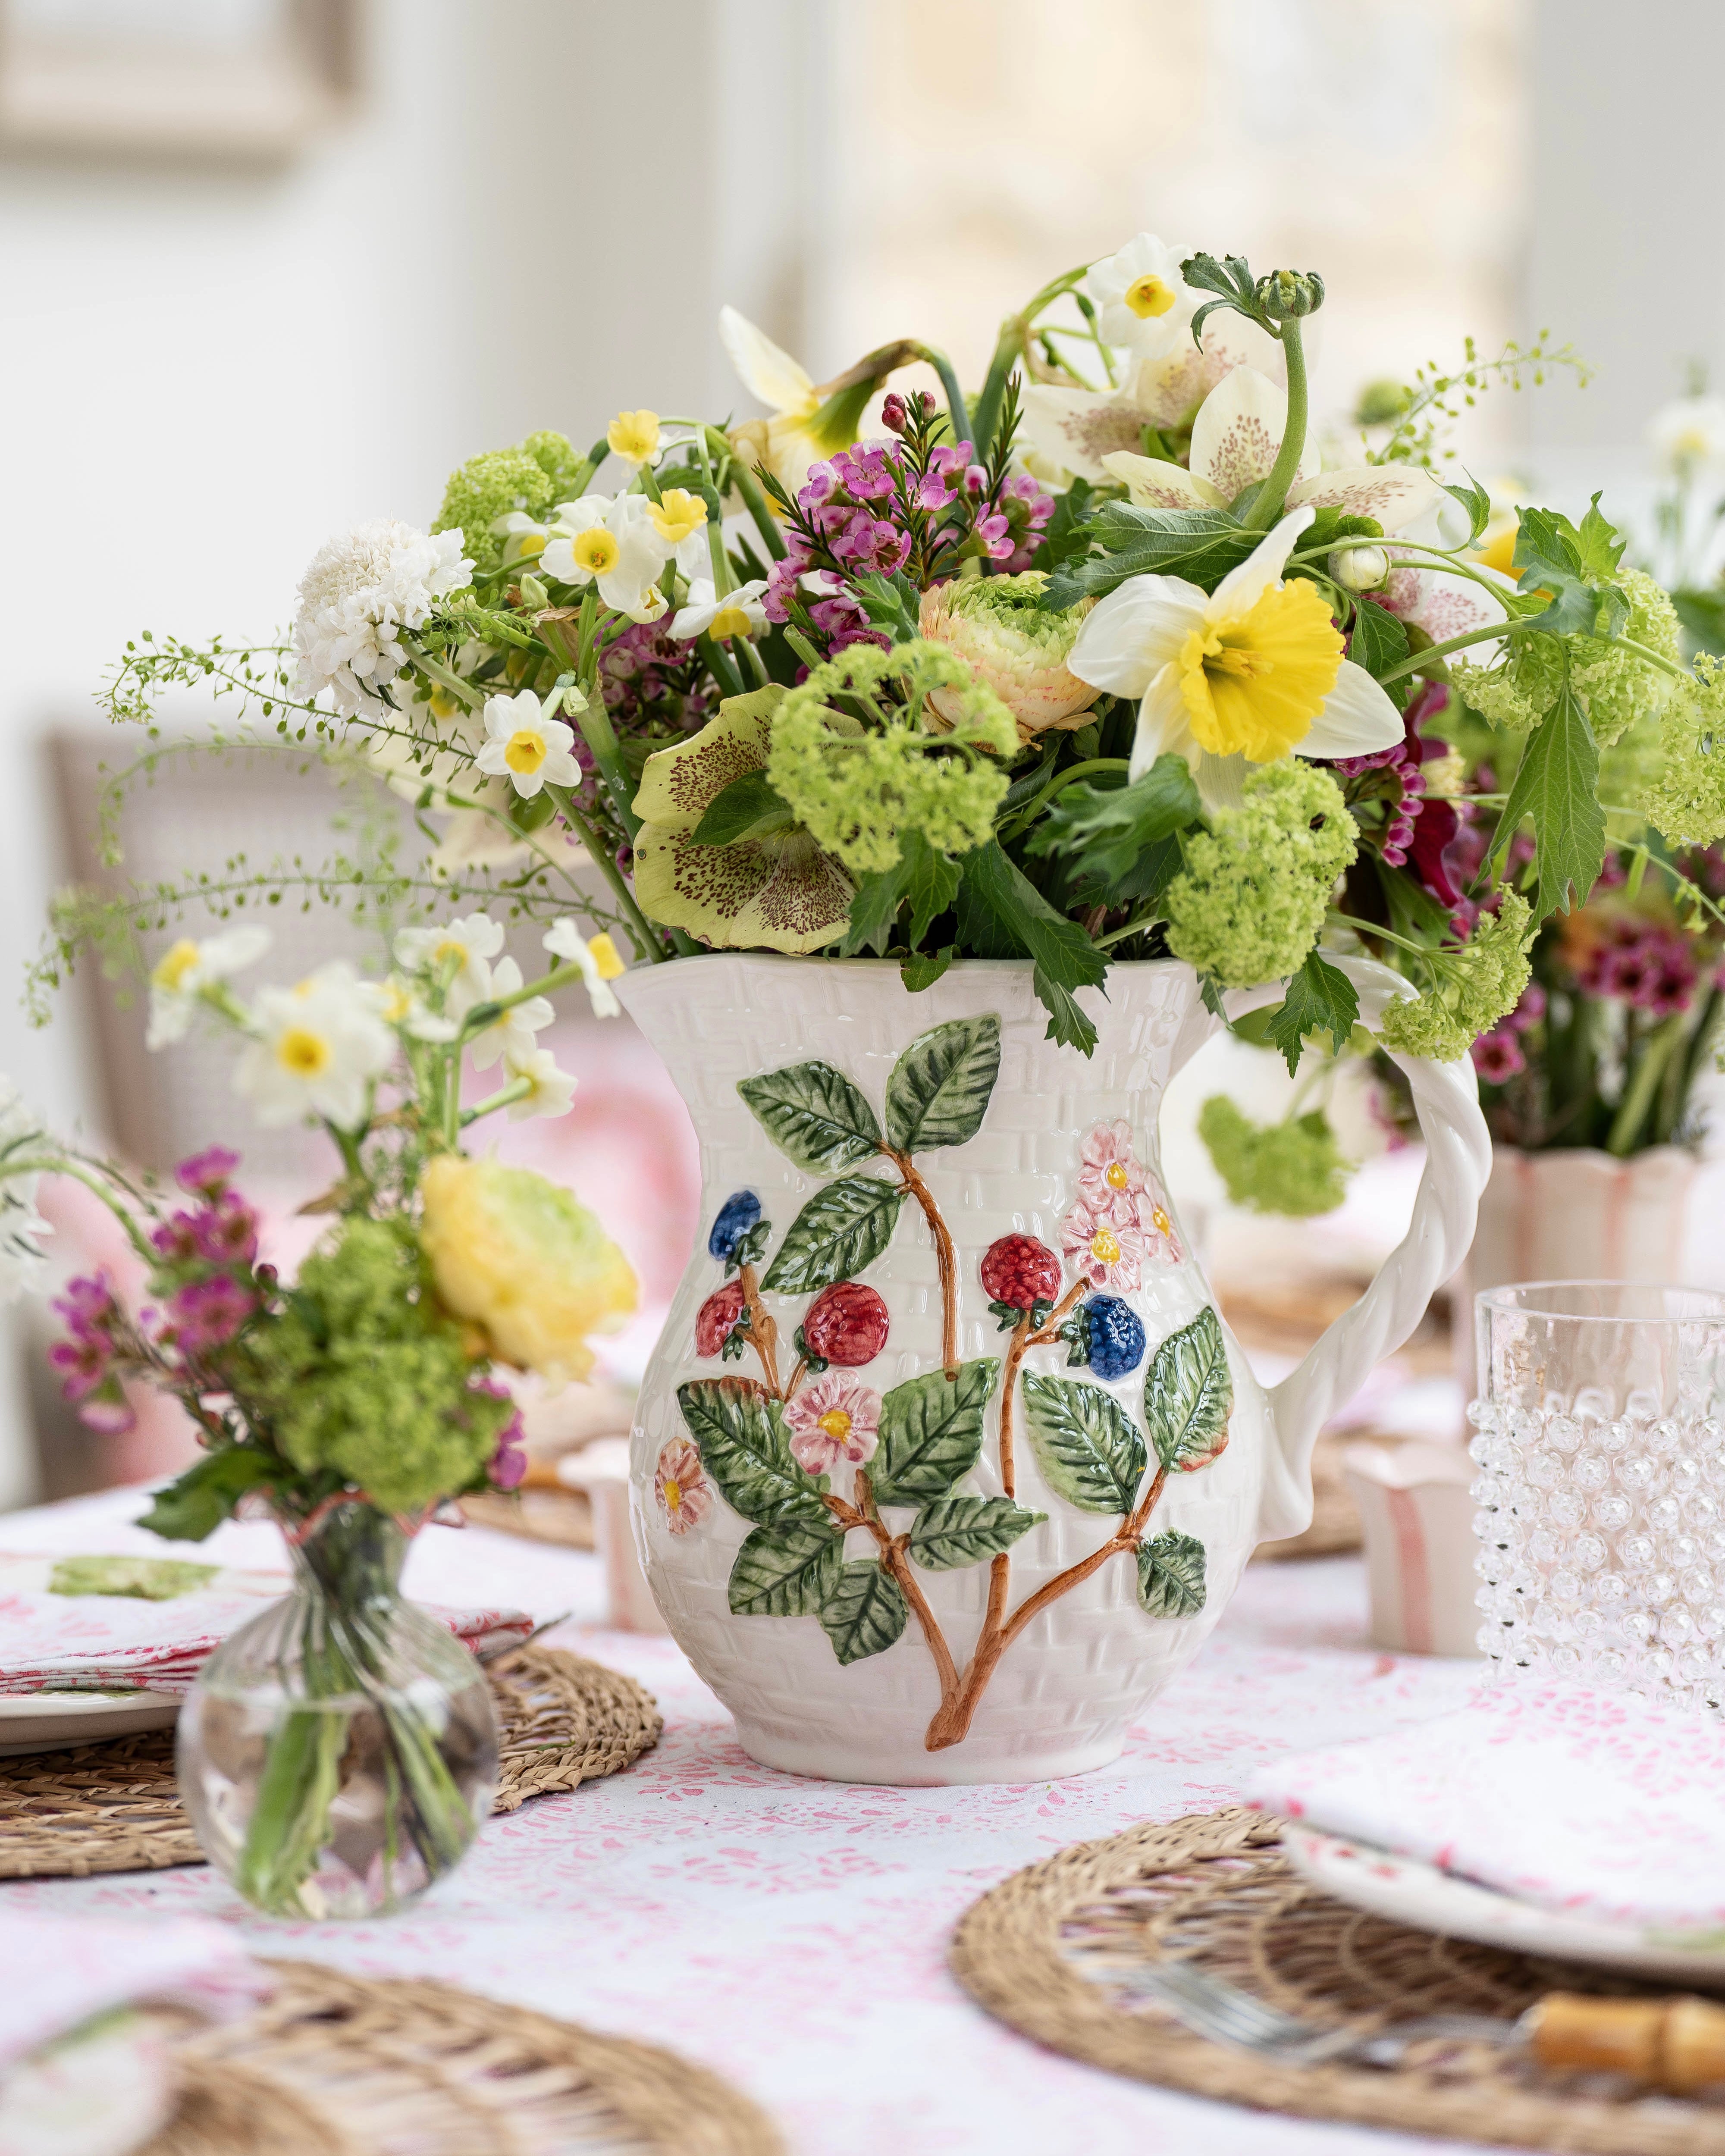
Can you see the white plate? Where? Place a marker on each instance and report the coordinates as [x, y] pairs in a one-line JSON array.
[[1409, 1892], [49, 1721]]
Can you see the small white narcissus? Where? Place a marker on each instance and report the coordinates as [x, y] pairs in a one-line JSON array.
[[319, 1047], [525, 745], [457, 956], [737, 613], [1141, 297], [552, 1090], [614, 545], [598, 961], [512, 1033], [187, 968]]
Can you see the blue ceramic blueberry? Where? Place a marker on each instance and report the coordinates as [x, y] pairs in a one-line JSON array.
[[1115, 1335], [737, 1216]]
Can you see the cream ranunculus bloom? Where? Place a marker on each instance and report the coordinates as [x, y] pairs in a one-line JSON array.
[[1238, 676]]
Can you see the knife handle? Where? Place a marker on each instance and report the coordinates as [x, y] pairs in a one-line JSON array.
[[1675, 2044]]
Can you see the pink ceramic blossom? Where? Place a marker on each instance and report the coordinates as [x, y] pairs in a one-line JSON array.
[[1110, 1180], [685, 1495], [1108, 1249], [835, 1419]]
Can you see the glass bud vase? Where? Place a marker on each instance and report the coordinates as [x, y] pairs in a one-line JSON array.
[[338, 1752]]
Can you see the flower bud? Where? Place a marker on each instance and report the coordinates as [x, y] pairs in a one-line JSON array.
[[534, 592], [1285, 294], [1360, 568], [893, 415]]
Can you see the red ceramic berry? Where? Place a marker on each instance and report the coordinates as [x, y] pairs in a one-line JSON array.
[[1018, 1270], [717, 1315], [846, 1324]]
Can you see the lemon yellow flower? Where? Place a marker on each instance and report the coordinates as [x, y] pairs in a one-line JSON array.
[[634, 436], [518, 1256], [676, 514]]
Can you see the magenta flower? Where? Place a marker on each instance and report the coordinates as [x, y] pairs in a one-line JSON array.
[[83, 1365], [108, 1411], [1497, 1056], [88, 1308], [207, 1313], [1529, 1011], [509, 1463], [176, 1239], [208, 1174], [832, 1420], [227, 1232]]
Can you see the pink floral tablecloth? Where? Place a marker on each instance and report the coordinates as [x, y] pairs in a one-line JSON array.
[[792, 1933]]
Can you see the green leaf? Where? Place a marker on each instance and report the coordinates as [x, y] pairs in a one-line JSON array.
[[1108, 828], [931, 882], [931, 1433], [923, 970], [1089, 1451], [787, 1571], [1188, 1395], [196, 1503], [1558, 785], [1200, 545], [839, 1232], [1378, 641], [938, 1092], [814, 1114], [744, 1445], [748, 807], [1474, 500], [1321, 998], [999, 905], [1578, 565], [874, 909], [1171, 1575], [960, 1530], [866, 1611]]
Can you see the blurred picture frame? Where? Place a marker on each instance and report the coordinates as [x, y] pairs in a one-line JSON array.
[[229, 81]]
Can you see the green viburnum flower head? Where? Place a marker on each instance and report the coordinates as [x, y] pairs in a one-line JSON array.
[[854, 793], [558, 459], [1296, 1167], [365, 1374], [487, 487], [1249, 902], [1686, 801], [1616, 686], [1472, 988]]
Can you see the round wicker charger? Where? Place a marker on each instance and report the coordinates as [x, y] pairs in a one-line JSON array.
[[114, 1807], [338, 2066], [1214, 1888]]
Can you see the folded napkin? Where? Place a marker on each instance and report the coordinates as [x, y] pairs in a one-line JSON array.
[[129, 1624], [1597, 1803], [77, 1967]]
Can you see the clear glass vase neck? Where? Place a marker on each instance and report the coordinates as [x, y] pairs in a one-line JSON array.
[[352, 1555]]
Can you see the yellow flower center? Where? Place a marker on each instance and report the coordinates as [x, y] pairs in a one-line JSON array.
[[603, 953], [1105, 1247], [1164, 1226], [673, 1495], [303, 1052], [677, 513], [174, 964], [836, 1424], [597, 550], [1115, 1176], [448, 949], [1253, 685], [529, 545], [1147, 296], [445, 704], [729, 621], [396, 1003], [525, 751], [634, 435]]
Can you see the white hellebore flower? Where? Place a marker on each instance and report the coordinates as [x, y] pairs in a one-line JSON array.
[[1238, 676], [525, 745], [361, 591], [614, 544], [187, 968], [22, 1227], [1688, 432], [319, 1047], [457, 956], [738, 614], [598, 961], [510, 1033], [552, 1090], [1143, 299]]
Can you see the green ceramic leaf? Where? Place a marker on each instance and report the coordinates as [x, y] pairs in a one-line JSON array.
[[787, 1571], [744, 1445], [841, 1230], [959, 1531], [814, 1113], [864, 1613], [1171, 1575], [931, 1433], [938, 1092], [1089, 1453], [1188, 1395]]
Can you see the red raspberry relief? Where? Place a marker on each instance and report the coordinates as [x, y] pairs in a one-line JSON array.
[[846, 1324], [1018, 1271], [716, 1316]]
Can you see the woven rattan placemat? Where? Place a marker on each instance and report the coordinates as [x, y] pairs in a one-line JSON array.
[[340, 2066], [114, 1807], [1215, 1888]]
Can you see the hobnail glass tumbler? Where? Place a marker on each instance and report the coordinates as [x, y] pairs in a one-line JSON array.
[[1599, 1437]]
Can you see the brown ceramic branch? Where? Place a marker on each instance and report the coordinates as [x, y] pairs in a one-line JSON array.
[[893, 1557], [763, 1333], [944, 1256]]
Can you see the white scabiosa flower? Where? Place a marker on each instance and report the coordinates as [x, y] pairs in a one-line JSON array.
[[187, 968], [553, 1092], [738, 614], [525, 745], [361, 591], [457, 957], [319, 1048], [613, 544], [22, 1227], [510, 1036], [598, 959]]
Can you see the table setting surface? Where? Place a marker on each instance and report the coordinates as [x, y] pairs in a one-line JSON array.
[[792, 1934]]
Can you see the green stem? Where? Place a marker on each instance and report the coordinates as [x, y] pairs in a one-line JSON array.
[[753, 499], [956, 414], [600, 735], [1417, 661], [1058, 783], [59, 1164], [1274, 492], [1383, 935], [719, 665], [1637, 1094], [645, 938], [506, 1095], [756, 665], [1131, 928]]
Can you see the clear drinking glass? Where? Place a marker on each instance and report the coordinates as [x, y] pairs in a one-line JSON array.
[[338, 1753], [1599, 1437]]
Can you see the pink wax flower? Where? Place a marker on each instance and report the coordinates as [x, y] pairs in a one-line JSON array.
[[1107, 1250], [835, 1419], [509, 1463], [108, 1412], [680, 1483], [208, 1174], [207, 1313], [176, 1239], [1529, 1011], [88, 1308], [227, 1232], [1497, 1056], [83, 1365]]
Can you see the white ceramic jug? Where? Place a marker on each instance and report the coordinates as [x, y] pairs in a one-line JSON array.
[[944, 1464]]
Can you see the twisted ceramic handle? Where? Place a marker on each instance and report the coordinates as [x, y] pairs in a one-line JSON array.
[[1458, 1159]]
